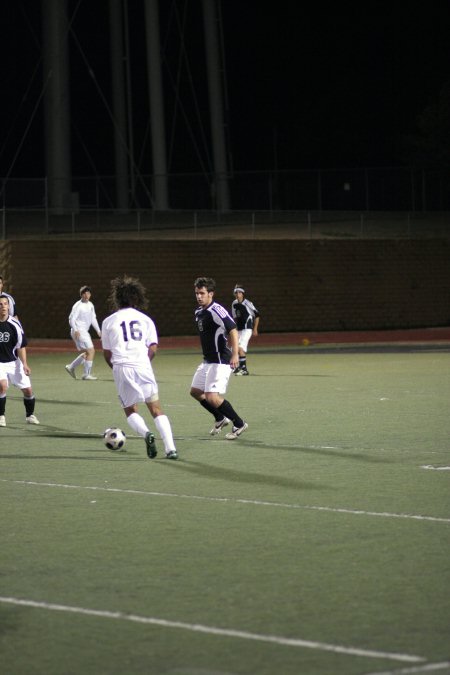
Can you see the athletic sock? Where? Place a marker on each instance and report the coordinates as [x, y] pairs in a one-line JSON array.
[[243, 362], [165, 431], [78, 361], [87, 367], [29, 404], [2, 404], [210, 408], [137, 423], [227, 410]]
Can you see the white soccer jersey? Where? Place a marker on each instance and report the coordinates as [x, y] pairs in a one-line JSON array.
[[128, 333], [83, 316]]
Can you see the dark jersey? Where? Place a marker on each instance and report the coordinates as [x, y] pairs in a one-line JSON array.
[[12, 338], [214, 323], [244, 313]]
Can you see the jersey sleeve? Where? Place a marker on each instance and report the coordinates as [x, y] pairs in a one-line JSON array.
[[106, 344], [227, 320], [73, 316], [152, 334], [252, 308], [94, 321]]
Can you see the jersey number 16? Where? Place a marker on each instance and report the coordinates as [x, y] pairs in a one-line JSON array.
[[132, 331]]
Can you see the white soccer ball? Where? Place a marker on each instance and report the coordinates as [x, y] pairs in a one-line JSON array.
[[114, 438]]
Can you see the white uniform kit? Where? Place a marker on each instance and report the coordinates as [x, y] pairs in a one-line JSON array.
[[81, 318], [128, 334]]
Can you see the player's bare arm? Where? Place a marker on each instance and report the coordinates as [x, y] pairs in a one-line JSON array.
[[107, 353], [233, 336]]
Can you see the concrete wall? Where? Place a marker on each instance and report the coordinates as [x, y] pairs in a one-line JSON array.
[[298, 285]]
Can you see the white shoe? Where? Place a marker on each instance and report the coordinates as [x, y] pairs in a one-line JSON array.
[[237, 431], [71, 371], [217, 428], [32, 419], [89, 377], [2, 421]]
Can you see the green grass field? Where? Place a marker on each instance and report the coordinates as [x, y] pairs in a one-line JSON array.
[[317, 544]]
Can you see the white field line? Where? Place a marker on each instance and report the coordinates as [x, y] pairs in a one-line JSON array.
[[254, 502], [416, 670], [212, 630], [435, 468]]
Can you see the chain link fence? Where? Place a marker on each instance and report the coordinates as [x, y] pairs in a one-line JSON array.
[[397, 202]]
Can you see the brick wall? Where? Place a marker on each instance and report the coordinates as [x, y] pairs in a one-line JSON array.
[[298, 285]]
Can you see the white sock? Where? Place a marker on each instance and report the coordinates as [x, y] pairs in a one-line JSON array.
[[137, 423], [87, 367], [76, 362], [165, 431]]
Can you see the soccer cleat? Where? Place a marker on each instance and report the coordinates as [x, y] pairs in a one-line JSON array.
[[244, 371], [2, 421], [89, 377], [217, 428], [71, 371], [237, 371], [151, 445], [172, 454], [237, 431], [32, 419]]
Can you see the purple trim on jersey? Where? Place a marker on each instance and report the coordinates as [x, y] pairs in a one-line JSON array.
[[213, 324]]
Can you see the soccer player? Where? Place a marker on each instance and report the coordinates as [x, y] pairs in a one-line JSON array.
[[246, 316], [14, 368], [130, 341], [211, 378], [12, 304], [81, 318]]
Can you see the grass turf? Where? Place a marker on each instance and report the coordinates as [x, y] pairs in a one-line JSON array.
[[319, 525]]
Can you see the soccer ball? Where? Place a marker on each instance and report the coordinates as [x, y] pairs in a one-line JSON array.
[[114, 438]]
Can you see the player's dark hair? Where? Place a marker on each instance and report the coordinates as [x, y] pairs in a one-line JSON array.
[[205, 282], [127, 292]]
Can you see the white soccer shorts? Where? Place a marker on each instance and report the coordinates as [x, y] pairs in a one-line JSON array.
[[244, 338], [135, 386], [212, 377], [84, 341], [14, 373]]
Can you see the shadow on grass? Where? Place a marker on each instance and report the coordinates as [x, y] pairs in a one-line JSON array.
[[238, 476], [54, 401], [282, 375], [43, 432], [344, 453], [107, 458]]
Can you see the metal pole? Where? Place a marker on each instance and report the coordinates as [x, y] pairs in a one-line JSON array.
[[158, 131], [129, 107], [57, 103], [216, 104], [119, 103]]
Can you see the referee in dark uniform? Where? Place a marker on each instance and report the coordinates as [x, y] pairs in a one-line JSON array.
[[210, 380]]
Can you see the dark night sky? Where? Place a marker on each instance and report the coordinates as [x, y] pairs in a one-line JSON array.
[[309, 85]]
